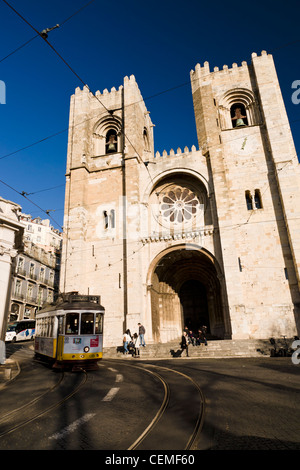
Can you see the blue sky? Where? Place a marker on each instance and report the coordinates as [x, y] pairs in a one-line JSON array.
[[159, 42]]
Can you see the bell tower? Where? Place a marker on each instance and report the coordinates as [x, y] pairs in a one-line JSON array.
[[243, 129], [110, 135]]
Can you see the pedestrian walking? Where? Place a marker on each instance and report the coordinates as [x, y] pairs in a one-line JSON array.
[[126, 340], [184, 343], [142, 332]]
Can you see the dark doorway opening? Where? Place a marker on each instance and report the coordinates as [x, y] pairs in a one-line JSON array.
[[193, 300]]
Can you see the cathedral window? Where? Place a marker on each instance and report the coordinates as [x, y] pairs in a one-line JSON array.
[[238, 108], [179, 205], [146, 140], [238, 115], [253, 202], [112, 218], [249, 201], [105, 219], [109, 219], [111, 145], [257, 199], [107, 136]]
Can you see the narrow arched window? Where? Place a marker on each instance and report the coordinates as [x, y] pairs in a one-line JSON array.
[[111, 143], [249, 201], [146, 140], [112, 218], [105, 219], [238, 115], [257, 199]]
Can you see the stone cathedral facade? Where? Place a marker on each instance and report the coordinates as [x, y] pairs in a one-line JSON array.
[[187, 237]]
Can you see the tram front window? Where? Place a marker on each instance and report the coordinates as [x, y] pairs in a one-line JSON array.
[[72, 323], [87, 323]]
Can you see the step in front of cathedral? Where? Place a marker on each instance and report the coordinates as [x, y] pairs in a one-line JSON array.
[[214, 349]]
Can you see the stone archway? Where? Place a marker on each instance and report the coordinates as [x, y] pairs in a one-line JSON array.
[[185, 286], [194, 305]]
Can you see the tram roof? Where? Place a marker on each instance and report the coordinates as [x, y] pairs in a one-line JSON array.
[[74, 302]]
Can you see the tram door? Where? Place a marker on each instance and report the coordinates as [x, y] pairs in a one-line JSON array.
[[60, 337]]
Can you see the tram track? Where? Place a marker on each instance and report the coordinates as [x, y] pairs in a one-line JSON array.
[[164, 410], [6, 420]]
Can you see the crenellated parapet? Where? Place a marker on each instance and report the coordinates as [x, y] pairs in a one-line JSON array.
[[132, 94], [179, 152], [202, 72]]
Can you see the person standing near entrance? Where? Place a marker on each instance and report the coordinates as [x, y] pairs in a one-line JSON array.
[[142, 332], [184, 343]]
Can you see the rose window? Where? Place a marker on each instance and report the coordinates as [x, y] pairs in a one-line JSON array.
[[179, 205]]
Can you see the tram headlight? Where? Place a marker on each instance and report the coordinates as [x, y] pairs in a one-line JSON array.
[[86, 349]]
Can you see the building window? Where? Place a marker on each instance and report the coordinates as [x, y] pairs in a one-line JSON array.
[[109, 219], [111, 144], [31, 269], [30, 291], [179, 205], [238, 108], [253, 202], [42, 274], [20, 266], [249, 201], [105, 218], [146, 141], [238, 115], [257, 199], [18, 287], [112, 218]]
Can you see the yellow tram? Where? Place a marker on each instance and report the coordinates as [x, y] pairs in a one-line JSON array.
[[71, 332]]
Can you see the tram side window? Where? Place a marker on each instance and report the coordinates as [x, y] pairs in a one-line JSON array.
[[60, 329], [99, 324], [38, 328], [50, 327], [72, 323], [87, 324]]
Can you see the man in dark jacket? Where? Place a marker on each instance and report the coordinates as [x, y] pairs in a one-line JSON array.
[[141, 334]]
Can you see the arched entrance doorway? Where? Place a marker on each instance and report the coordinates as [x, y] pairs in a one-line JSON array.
[[194, 306], [185, 288]]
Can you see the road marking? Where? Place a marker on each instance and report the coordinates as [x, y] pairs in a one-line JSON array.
[[72, 426], [110, 395], [119, 378]]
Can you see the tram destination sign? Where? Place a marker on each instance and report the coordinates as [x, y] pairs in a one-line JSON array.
[[85, 298]]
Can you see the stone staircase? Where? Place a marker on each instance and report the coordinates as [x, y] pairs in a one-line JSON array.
[[214, 349]]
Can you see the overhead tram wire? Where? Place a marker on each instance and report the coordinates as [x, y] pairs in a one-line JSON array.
[[75, 73], [109, 111], [37, 35], [93, 117], [23, 194]]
